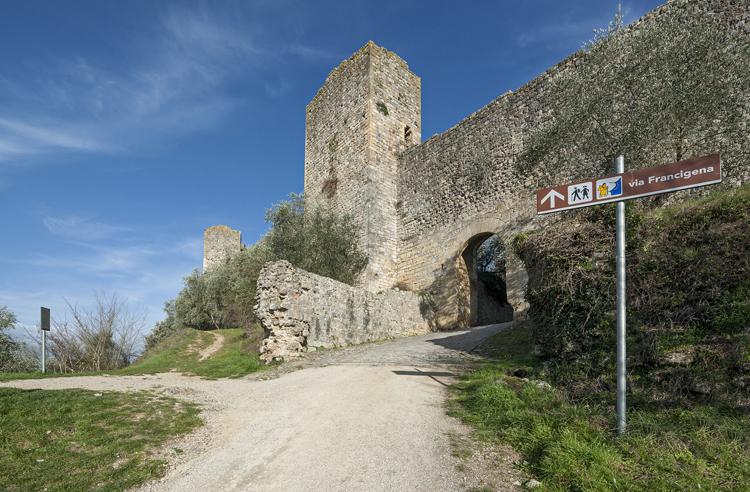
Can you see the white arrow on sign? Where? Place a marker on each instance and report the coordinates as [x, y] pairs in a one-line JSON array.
[[551, 197]]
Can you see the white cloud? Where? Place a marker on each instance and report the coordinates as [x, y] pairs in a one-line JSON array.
[[47, 137], [180, 83], [22, 137], [81, 229], [102, 261], [312, 53], [76, 106], [145, 275]]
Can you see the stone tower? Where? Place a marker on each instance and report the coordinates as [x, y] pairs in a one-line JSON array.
[[367, 112], [219, 244]]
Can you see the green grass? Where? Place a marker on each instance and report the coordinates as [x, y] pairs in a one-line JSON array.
[[573, 447], [82, 440], [180, 353]]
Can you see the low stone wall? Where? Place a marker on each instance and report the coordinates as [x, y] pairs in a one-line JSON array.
[[302, 312]]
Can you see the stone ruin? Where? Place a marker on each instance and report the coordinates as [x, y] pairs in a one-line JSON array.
[[220, 242], [423, 207], [302, 312]]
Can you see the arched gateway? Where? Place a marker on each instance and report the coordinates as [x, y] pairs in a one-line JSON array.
[[424, 208]]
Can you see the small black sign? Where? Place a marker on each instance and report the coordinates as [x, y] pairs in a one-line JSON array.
[[45, 319]]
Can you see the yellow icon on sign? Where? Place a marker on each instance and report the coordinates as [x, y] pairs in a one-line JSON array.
[[603, 190]]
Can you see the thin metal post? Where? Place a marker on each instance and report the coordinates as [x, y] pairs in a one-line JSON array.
[[44, 351], [620, 265]]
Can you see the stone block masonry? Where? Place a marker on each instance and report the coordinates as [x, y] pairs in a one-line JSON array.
[[367, 112], [456, 186], [302, 312], [219, 244], [424, 207]]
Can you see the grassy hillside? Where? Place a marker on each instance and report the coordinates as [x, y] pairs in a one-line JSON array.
[[550, 389], [569, 444], [688, 283], [182, 352], [83, 440]]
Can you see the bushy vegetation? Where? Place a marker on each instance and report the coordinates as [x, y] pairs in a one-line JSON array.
[[102, 338], [671, 88], [86, 340], [81, 440], [667, 90], [184, 352], [688, 304], [571, 444], [13, 355], [313, 238]]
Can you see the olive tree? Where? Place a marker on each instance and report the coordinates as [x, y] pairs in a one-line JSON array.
[[670, 88], [13, 357], [314, 238]]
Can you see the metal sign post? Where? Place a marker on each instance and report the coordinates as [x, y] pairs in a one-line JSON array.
[[620, 279], [616, 189], [44, 325]]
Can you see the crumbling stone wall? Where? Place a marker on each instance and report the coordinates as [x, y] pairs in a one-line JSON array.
[[220, 242], [302, 312]]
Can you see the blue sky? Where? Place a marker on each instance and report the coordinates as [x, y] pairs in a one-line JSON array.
[[126, 128]]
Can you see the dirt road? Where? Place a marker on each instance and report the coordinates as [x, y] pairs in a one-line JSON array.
[[365, 418]]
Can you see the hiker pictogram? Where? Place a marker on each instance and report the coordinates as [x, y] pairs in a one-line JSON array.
[[580, 193]]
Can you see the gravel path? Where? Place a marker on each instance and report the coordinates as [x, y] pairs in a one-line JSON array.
[[369, 418]]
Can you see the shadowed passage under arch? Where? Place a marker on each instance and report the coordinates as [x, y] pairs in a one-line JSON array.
[[482, 287]]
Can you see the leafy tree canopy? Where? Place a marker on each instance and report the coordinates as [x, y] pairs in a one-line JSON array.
[[671, 88]]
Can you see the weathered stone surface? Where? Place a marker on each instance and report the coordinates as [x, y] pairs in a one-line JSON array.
[[367, 112], [424, 207], [301, 312], [220, 242], [422, 204]]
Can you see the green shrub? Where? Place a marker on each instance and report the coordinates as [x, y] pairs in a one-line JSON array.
[[315, 239], [688, 297], [164, 328], [13, 356], [732, 313]]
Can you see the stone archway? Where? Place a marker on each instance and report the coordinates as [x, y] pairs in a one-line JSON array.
[[439, 273], [482, 298]]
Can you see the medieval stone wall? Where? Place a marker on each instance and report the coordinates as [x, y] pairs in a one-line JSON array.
[[219, 244], [462, 183], [421, 205], [302, 312]]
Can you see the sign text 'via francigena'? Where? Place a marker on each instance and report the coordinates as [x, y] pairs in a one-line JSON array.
[[632, 184]]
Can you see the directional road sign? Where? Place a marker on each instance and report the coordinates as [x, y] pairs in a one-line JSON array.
[[632, 184]]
